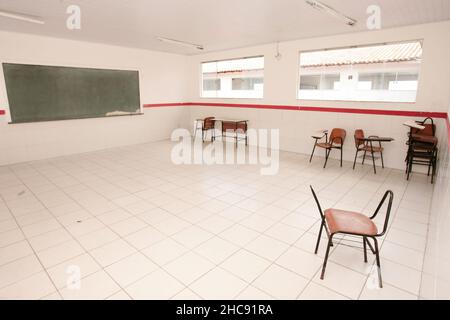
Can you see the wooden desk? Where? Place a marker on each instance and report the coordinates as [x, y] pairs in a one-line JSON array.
[[378, 139], [232, 126]]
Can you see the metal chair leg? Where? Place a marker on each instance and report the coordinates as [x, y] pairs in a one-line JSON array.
[[319, 237], [365, 249], [373, 158], [407, 159], [342, 153], [382, 160], [354, 162], [374, 165], [433, 171], [314, 149], [410, 163], [377, 254], [364, 156], [327, 154], [330, 241]]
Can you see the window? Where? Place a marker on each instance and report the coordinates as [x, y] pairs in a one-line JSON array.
[[236, 78], [211, 84], [388, 72]]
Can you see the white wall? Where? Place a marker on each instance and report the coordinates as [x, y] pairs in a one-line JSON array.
[[174, 78], [162, 79], [281, 83]]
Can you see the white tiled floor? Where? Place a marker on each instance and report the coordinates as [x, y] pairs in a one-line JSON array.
[[139, 227]]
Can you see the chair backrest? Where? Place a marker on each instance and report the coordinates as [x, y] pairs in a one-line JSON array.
[[430, 128], [242, 127], [318, 204], [359, 136], [337, 136], [209, 123], [388, 210]]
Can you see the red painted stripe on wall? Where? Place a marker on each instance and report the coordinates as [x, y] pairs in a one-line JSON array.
[[159, 105], [403, 113], [2, 112], [448, 132], [441, 115], [249, 106]]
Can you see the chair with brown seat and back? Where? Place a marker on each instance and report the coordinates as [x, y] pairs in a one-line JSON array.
[[335, 141], [336, 221], [364, 146], [209, 124]]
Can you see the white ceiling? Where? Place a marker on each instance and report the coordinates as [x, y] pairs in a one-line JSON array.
[[216, 24]]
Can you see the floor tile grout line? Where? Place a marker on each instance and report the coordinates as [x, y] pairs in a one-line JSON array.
[[274, 262], [38, 259], [384, 237], [426, 247], [253, 213], [86, 252], [311, 280]]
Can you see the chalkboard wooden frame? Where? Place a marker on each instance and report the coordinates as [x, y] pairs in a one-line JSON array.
[[41, 93]]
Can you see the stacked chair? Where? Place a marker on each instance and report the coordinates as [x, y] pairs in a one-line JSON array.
[[422, 147]]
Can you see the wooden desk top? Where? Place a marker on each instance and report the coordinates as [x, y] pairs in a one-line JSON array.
[[319, 134], [378, 139], [413, 124], [225, 120]]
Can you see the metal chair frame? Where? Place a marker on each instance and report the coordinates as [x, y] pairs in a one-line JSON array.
[[422, 153], [374, 249], [368, 144], [335, 143]]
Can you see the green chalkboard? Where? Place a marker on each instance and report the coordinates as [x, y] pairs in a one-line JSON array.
[[46, 93]]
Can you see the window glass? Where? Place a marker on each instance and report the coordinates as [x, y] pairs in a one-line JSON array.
[[388, 72], [236, 78]]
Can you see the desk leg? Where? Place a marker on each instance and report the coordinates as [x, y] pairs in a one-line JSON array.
[[196, 130], [236, 134]]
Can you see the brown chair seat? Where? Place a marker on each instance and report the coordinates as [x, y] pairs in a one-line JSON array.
[[325, 145], [425, 139], [349, 222]]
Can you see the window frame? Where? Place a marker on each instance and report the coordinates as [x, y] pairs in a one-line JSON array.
[[230, 59], [297, 94]]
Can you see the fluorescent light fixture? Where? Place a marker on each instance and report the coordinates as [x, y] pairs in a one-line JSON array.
[[21, 16], [181, 43], [329, 10]]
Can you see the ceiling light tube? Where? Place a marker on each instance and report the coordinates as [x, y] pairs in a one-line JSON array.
[[329, 10], [181, 43], [22, 17]]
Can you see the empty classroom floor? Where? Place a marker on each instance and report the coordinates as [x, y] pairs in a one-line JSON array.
[[135, 226]]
